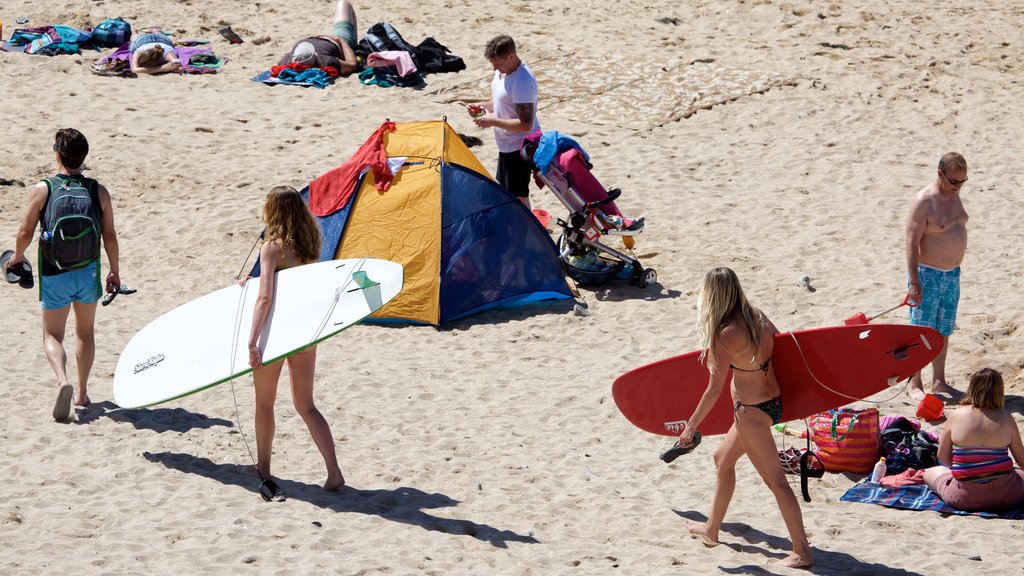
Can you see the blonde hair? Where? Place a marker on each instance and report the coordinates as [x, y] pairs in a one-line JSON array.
[[151, 57], [720, 300], [985, 390], [288, 219]]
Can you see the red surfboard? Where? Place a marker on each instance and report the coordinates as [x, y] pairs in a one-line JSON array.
[[817, 370]]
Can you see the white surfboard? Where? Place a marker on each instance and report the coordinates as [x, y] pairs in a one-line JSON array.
[[205, 342]]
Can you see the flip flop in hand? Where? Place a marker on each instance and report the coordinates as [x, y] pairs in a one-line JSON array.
[[676, 450]]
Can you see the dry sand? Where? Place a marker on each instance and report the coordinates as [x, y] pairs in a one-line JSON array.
[[780, 138]]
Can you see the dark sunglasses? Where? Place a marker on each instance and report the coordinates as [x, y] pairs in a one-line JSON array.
[[952, 181]]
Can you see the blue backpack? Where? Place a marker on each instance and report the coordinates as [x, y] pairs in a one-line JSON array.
[[112, 32]]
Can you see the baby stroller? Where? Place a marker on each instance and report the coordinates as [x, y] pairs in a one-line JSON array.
[[561, 164]]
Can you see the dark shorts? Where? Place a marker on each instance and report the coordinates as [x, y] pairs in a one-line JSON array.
[[514, 174], [772, 407], [1000, 494]]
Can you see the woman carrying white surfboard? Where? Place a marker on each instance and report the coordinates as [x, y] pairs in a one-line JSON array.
[[738, 336], [292, 239]]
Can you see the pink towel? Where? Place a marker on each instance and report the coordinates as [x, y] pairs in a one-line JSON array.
[[400, 59]]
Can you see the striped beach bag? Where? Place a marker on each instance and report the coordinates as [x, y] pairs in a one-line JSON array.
[[847, 439]]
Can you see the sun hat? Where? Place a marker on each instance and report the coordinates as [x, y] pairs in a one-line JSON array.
[[304, 53]]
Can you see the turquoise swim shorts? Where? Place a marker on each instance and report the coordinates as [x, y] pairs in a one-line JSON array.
[[80, 285], [346, 31], [940, 294]]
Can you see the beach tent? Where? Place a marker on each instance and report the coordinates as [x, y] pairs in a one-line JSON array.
[[414, 193]]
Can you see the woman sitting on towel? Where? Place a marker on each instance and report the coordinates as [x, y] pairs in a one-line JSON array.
[[154, 53], [292, 239], [738, 336], [975, 446]]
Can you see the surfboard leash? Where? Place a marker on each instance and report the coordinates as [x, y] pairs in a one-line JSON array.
[[231, 381], [836, 392]]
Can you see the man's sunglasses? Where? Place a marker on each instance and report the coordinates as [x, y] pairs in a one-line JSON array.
[[953, 181]]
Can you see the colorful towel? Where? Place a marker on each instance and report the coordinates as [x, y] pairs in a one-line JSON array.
[[195, 60], [915, 498], [48, 40]]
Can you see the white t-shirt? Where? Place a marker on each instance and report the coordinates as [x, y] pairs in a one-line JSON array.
[[519, 87]]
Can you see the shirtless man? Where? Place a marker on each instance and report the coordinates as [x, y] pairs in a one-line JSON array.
[[936, 242]]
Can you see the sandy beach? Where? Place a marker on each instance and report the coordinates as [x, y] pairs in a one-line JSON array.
[[779, 138]]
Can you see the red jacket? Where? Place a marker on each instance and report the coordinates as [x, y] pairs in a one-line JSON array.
[[331, 191]]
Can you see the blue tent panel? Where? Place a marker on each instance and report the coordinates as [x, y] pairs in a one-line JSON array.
[[494, 252]]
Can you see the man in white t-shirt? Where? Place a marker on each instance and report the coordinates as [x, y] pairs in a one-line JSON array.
[[512, 113]]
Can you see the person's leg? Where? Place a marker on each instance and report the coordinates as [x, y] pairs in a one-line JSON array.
[[728, 452], [946, 323], [931, 476], [926, 313], [85, 352], [54, 322], [301, 368], [754, 427], [265, 381], [345, 25]]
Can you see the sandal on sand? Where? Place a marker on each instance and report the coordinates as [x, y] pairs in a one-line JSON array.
[[271, 492], [676, 450], [62, 408], [230, 35]]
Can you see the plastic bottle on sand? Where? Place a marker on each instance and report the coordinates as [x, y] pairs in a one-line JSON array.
[[879, 471]]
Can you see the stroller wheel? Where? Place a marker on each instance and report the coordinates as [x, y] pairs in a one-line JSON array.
[[646, 278]]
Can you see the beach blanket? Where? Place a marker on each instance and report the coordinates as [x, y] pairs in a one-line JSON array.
[[194, 60], [918, 497], [48, 40], [297, 74]]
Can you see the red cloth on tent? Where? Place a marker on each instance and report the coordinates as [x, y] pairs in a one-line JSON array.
[[330, 192]]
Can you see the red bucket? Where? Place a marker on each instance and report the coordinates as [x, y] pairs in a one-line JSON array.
[[931, 407]]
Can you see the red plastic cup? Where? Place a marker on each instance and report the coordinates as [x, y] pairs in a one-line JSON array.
[[856, 320], [931, 407]]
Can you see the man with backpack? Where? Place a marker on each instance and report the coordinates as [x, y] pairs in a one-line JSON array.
[[75, 213]]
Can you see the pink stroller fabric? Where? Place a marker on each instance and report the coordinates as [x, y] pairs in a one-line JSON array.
[[589, 189]]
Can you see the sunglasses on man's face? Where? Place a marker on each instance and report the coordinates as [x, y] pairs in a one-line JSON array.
[[953, 181]]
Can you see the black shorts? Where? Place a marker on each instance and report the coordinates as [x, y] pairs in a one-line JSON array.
[[514, 174]]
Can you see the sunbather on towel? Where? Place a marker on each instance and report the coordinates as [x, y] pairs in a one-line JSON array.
[[329, 50], [154, 53], [975, 447]]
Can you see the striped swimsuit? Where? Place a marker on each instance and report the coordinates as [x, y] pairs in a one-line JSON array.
[[980, 465]]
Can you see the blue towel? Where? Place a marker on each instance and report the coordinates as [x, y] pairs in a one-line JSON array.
[[915, 497], [309, 77], [550, 145]]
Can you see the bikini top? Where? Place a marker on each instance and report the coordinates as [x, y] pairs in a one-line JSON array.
[[763, 367]]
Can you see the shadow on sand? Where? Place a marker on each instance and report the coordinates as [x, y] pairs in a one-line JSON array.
[[155, 419], [401, 504], [775, 548]]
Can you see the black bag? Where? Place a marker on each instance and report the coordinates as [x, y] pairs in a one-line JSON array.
[[70, 236]]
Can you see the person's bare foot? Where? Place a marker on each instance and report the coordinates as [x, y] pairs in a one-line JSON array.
[[82, 400], [916, 393], [334, 482], [795, 560], [940, 387], [701, 531]]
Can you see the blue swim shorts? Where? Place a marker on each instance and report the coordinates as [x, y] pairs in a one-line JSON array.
[[940, 294], [80, 285]]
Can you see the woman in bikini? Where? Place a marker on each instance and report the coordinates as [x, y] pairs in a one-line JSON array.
[[975, 448], [737, 336], [292, 239]]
